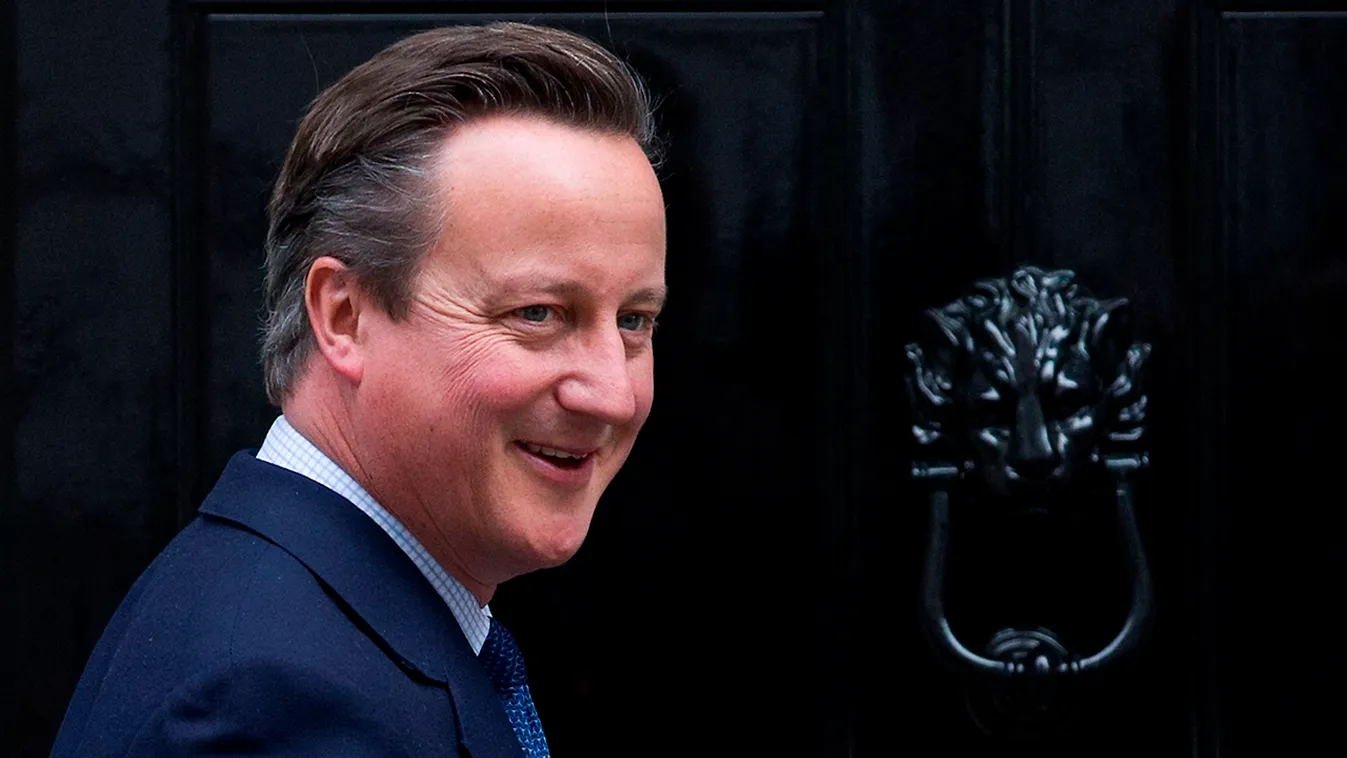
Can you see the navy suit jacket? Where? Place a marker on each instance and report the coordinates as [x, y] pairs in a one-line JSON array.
[[283, 621]]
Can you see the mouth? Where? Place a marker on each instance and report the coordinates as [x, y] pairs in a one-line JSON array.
[[566, 460]]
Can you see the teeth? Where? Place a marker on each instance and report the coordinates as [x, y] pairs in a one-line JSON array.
[[549, 451]]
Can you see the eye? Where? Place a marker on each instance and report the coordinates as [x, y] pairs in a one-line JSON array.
[[1070, 396], [534, 313], [636, 322]]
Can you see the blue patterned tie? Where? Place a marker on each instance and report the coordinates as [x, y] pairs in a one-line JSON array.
[[505, 665]]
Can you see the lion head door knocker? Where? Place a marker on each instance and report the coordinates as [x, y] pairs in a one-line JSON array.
[[1019, 388]]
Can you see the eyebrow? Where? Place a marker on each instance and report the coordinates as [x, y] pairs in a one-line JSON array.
[[656, 296]]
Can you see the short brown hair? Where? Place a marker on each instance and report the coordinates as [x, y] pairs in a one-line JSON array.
[[354, 182]]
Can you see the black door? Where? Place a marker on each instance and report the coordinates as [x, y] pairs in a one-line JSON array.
[[750, 585]]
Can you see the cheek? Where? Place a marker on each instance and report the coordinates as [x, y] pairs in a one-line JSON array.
[[488, 384], [643, 386], [397, 382]]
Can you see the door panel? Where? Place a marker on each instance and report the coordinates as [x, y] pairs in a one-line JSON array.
[[1284, 197], [1108, 192], [932, 209], [1047, 137]]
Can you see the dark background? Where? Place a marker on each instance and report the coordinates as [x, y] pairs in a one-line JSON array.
[[749, 586]]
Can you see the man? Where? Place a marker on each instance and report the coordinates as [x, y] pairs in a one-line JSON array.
[[464, 265]]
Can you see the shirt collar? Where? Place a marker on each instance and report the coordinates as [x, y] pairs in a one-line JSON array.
[[284, 446]]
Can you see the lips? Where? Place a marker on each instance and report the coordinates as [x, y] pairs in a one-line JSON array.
[[555, 456], [565, 467]]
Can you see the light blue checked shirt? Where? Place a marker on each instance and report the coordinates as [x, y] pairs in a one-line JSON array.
[[287, 448]]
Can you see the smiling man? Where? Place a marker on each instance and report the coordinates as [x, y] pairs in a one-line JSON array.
[[464, 267]]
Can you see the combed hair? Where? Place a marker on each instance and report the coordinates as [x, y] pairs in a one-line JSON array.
[[355, 185]]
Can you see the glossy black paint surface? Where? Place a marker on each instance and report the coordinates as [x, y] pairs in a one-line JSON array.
[[1285, 243], [837, 169], [90, 384]]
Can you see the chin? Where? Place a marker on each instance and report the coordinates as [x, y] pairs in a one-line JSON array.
[[545, 533], [556, 548], [537, 558]]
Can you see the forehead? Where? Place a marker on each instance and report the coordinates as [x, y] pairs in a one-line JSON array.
[[504, 156], [528, 202], [1023, 349]]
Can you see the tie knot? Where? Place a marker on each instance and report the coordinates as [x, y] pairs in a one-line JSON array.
[[503, 662]]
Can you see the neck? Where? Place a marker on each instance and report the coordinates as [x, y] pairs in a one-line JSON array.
[[322, 413]]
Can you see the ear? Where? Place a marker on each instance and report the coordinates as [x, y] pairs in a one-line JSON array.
[[335, 304], [930, 378], [1116, 358], [1111, 322], [1110, 331]]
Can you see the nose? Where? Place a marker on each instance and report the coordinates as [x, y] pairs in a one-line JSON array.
[[1030, 451], [600, 384]]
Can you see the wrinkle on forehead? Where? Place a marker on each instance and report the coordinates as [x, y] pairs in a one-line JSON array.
[[533, 206]]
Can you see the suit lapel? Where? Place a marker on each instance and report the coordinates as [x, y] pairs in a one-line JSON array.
[[380, 585]]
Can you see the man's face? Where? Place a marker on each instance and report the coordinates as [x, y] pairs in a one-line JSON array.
[[494, 415]]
